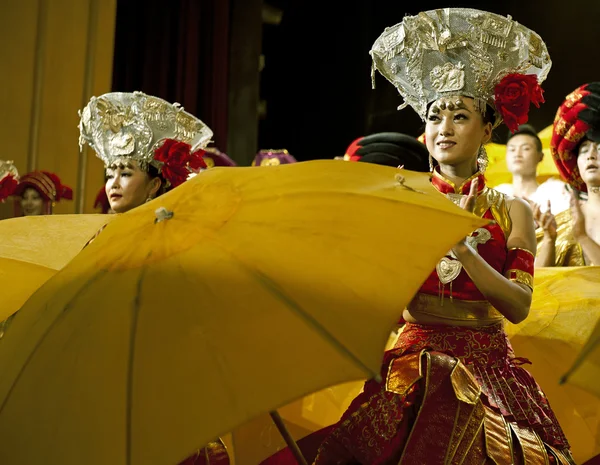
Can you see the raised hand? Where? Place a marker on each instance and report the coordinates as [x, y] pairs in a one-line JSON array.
[[468, 202], [577, 218], [545, 220]]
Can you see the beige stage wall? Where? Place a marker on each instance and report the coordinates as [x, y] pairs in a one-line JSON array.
[[54, 55]]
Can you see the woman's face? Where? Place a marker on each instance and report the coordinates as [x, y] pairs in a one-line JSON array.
[[588, 163], [522, 155], [455, 130], [128, 186], [32, 202]]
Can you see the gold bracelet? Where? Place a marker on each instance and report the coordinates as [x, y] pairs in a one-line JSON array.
[[521, 277]]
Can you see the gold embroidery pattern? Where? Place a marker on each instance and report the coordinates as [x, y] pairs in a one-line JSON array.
[[365, 434], [521, 277], [495, 202]]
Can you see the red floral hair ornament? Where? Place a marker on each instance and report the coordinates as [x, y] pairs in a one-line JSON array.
[[177, 161], [8, 185], [514, 95]]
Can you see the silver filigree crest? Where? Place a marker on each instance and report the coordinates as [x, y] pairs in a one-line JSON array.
[[416, 55], [122, 125]]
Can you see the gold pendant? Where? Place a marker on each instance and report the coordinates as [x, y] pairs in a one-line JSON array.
[[448, 270]]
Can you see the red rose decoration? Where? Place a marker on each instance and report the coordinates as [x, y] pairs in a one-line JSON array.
[[8, 184], [513, 95], [175, 157], [197, 162]]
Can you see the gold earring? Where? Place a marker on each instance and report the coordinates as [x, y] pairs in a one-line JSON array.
[[482, 159]]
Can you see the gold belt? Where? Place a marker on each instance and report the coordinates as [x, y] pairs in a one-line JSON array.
[[455, 309]]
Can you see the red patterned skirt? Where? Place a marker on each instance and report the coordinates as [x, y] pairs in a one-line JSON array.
[[375, 428]]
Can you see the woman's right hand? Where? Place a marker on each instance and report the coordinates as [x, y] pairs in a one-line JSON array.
[[467, 203], [545, 220]]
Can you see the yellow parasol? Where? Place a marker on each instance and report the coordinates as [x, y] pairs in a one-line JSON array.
[[259, 439], [565, 309], [585, 370], [497, 172], [33, 248], [229, 296]]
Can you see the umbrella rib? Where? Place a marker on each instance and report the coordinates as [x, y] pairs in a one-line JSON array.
[[580, 359], [312, 321], [43, 337], [132, 338]]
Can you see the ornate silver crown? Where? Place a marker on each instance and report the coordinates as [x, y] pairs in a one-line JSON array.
[[122, 125], [456, 51], [7, 168]]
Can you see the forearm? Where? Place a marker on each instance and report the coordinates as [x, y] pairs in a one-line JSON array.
[[590, 249], [509, 298], [546, 255]]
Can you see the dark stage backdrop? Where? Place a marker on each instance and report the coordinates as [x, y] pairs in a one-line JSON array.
[[177, 50], [316, 80]]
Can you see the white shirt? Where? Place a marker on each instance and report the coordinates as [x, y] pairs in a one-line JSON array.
[[553, 189]]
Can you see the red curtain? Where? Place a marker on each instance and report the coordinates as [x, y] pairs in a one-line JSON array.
[[178, 51]]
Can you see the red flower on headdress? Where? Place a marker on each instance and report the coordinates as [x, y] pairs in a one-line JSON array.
[[8, 184], [197, 162], [513, 96], [178, 161]]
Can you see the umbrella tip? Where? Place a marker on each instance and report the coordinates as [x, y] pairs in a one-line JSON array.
[[162, 214]]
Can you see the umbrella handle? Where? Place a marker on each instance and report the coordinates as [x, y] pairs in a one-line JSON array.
[[288, 438]]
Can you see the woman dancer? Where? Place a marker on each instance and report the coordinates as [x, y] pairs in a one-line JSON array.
[[38, 192], [451, 389], [148, 147]]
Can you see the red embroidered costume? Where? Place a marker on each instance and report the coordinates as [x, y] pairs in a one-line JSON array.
[[454, 392]]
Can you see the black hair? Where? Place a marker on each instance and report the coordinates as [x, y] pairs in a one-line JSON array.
[[489, 116], [154, 172], [527, 130]]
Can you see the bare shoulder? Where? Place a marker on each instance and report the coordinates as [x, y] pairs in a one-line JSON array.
[[523, 225], [518, 205]]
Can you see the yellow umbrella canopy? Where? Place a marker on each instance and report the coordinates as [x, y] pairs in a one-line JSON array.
[[33, 248], [565, 309], [231, 295], [585, 370], [258, 439], [497, 173]]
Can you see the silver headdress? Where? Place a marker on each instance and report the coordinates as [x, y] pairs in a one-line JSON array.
[[7, 168], [457, 51], [121, 125]]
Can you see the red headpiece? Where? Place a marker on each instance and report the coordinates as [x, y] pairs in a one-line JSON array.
[[47, 184], [574, 120]]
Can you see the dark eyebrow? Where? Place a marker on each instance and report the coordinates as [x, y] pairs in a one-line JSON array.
[[121, 166]]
